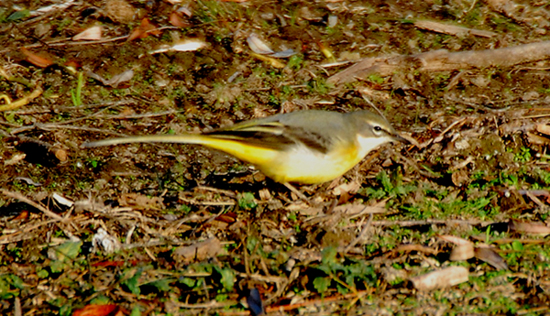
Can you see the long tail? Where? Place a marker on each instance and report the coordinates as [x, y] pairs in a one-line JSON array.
[[182, 139]]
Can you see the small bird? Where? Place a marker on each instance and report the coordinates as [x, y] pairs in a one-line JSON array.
[[306, 147]]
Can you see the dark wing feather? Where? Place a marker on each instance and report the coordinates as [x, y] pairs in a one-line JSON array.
[[273, 135]]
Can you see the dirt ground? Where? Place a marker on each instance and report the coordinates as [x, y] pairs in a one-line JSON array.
[[167, 229]]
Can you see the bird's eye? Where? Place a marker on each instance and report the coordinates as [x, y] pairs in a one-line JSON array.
[[377, 128]]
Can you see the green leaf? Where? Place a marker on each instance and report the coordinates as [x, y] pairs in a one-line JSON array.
[[135, 311], [517, 245], [68, 251], [321, 284], [133, 283], [227, 278], [189, 282], [162, 285], [247, 201], [18, 15]]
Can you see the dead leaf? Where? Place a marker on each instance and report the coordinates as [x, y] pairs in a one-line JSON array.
[[177, 19], [140, 201], [487, 254], [543, 129], [187, 45], [441, 278], [537, 139], [456, 30], [91, 34], [200, 251], [98, 310], [60, 199], [529, 228], [352, 187], [143, 30], [455, 240], [258, 46], [462, 252], [115, 80], [35, 59], [119, 10]]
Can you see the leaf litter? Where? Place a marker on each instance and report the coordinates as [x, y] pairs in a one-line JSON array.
[[189, 230]]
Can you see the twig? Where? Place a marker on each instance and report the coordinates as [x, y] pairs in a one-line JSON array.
[[20, 197], [443, 60], [48, 127], [433, 221], [360, 236]]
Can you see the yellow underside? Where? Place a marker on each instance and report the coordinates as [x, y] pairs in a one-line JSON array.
[[299, 165]]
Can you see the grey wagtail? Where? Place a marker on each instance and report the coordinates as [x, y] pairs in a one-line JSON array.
[[306, 147]]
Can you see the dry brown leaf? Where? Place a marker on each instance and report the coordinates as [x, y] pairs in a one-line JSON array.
[[537, 139], [177, 19], [451, 29], [487, 254], [143, 30], [441, 278], [140, 201], [529, 228], [35, 59], [119, 10], [200, 251], [462, 252], [91, 34], [455, 240], [115, 80], [543, 129], [352, 187]]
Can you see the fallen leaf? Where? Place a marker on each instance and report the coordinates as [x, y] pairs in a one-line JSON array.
[[543, 129], [62, 200], [529, 228], [487, 254], [91, 34], [181, 46], [258, 46], [462, 252], [455, 240], [115, 80], [177, 19], [443, 278], [97, 310], [200, 251], [143, 30], [36, 59], [140, 201]]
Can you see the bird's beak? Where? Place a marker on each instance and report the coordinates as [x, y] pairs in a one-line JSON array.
[[404, 139]]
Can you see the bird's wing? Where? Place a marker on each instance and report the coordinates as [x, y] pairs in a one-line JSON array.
[[273, 135]]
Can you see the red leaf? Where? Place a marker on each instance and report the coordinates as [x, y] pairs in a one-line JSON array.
[[97, 310], [35, 59]]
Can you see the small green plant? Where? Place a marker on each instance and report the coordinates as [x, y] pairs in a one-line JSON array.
[[76, 95], [295, 62], [375, 78], [346, 276], [10, 285], [524, 155], [246, 201], [391, 186]]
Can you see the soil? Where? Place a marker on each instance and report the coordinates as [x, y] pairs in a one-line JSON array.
[[478, 168]]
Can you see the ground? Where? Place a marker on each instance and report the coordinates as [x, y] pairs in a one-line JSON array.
[[174, 229]]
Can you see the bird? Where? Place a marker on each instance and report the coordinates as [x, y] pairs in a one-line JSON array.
[[303, 147]]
